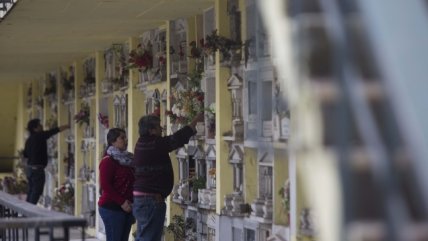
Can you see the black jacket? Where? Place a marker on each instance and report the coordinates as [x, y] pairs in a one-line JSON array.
[[153, 168], [36, 147]]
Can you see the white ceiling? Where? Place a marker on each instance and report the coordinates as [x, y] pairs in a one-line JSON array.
[[39, 36]]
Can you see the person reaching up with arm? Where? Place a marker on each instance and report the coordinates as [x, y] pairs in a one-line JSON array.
[[36, 152], [154, 177]]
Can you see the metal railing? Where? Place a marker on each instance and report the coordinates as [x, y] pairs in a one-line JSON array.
[[5, 7], [21, 220]]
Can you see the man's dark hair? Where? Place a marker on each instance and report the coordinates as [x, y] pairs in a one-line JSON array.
[[147, 123], [113, 134], [33, 124]]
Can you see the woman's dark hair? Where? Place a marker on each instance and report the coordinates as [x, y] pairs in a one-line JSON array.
[[113, 134], [33, 124], [147, 123]]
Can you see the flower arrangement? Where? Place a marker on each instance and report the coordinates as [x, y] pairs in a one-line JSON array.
[[141, 58], [120, 66], [196, 53], [51, 87], [83, 115], [14, 184], [214, 42], [187, 104], [89, 79], [67, 83], [103, 119], [63, 200]]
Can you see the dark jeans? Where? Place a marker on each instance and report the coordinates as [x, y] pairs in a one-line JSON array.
[[36, 182], [150, 215], [117, 224]]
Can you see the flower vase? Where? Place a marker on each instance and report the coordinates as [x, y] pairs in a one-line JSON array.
[[184, 192], [267, 209], [210, 60], [257, 207], [194, 197], [68, 210], [211, 129], [175, 193], [200, 129], [106, 86]]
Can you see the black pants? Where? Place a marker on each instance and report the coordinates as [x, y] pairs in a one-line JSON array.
[[36, 182]]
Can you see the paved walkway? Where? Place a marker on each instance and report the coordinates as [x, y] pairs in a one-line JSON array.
[[75, 235]]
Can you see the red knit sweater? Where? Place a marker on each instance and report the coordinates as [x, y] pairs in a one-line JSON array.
[[116, 182]]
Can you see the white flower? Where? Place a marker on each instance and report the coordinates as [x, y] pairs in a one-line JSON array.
[[175, 110], [184, 113], [212, 107]]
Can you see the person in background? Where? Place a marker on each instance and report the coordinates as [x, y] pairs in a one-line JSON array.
[[116, 182], [36, 152], [154, 177]]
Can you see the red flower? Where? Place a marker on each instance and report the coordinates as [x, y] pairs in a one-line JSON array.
[[156, 112], [162, 60], [200, 98]]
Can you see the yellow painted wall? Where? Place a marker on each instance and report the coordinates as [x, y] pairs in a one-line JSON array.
[[8, 115], [21, 122]]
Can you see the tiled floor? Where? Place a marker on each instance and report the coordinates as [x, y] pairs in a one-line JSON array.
[[75, 235]]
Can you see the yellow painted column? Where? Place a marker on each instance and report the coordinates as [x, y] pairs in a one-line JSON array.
[[62, 120], [78, 138], [99, 76], [171, 208], [20, 118], [224, 172], [136, 105]]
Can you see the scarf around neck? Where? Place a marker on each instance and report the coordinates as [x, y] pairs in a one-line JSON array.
[[123, 157]]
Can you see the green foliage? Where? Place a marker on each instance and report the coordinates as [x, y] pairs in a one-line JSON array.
[[64, 198], [182, 229], [284, 193], [83, 115], [198, 183], [14, 184]]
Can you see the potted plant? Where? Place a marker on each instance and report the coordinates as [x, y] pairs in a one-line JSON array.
[[284, 193], [182, 229], [15, 185], [197, 183], [64, 199]]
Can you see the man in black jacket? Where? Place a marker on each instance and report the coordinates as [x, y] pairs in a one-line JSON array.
[[154, 177], [37, 157]]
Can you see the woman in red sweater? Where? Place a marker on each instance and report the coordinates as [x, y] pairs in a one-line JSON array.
[[116, 183]]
